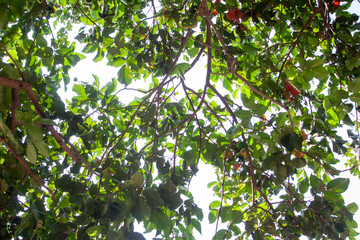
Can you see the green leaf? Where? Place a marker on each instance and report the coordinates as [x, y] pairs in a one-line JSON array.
[[352, 208], [119, 12], [172, 200], [94, 230], [34, 131], [235, 131], [140, 209], [222, 234], [347, 120], [44, 121], [243, 114], [247, 97], [226, 213], [137, 236], [31, 152], [181, 68], [79, 89], [189, 23], [142, 135], [355, 85], [190, 157], [110, 87], [99, 55], [137, 179], [314, 63], [3, 16], [11, 71], [212, 216], [193, 52], [125, 75], [211, 184], [198, 212], [338, 185], [304, 185], [231, 2], [5, 131], [249, 49], [42, 147], [27, 221], [196, 224], [149, 114], [298, 162], [153, 198], [115, 211], [237, 216], [317, 184], [353, 62], [63, 203], [41, 41], [270, 163], [355, 97], [292, 141], [161, 220], [333, 118], [215, 204]]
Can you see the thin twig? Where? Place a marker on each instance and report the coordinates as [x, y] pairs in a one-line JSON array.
[[17, 67], [78, 7]]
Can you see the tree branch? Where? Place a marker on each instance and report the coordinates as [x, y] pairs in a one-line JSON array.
[[28, 170], [16, 84]]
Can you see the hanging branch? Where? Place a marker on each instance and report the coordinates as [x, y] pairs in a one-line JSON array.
[[295, 43], [231, 63], [210, 108], [28, 170], [252, 175], [16, 84], [38, 29]]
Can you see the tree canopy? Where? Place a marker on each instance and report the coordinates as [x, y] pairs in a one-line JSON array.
[[276, 115]]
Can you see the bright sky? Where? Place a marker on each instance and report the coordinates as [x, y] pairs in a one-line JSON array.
[[195, 79]]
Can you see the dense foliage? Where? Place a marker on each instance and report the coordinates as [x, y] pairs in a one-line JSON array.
[[281, 81]]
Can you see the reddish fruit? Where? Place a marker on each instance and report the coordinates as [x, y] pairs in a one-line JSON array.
[[304, 135], [230, 15], [264, 120], [214, 12], [299, 154], [336, 4], [290, 88], [238, 13], [234, 15], [236, 166]]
